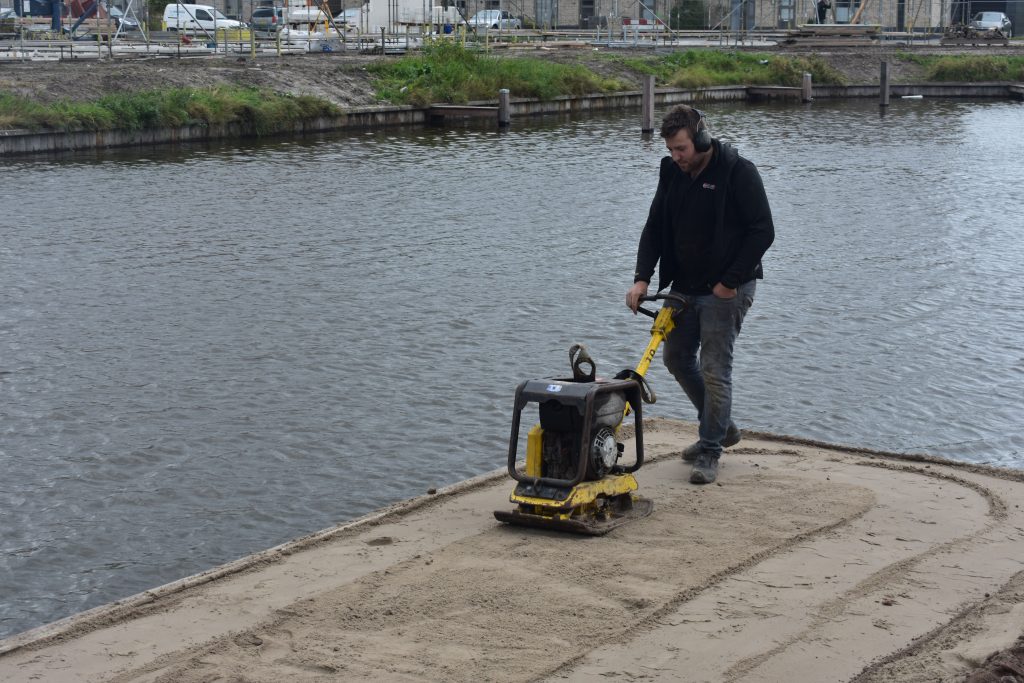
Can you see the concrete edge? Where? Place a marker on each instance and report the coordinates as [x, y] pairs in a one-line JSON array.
[[114, 612], [989, 470]]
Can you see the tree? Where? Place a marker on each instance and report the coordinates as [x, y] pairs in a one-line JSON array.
[[689, 14], [156, 12]]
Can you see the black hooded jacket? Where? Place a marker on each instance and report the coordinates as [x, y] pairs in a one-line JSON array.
[[693, 258]]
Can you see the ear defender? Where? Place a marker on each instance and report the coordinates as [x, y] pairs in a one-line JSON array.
[[702, 140]]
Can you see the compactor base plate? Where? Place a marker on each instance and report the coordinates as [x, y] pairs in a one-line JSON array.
[[619, 510]]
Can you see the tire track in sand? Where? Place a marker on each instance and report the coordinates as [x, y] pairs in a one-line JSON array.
[[826, 609], [510, 604]]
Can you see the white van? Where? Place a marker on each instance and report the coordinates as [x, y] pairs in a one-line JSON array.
[[183, 17]]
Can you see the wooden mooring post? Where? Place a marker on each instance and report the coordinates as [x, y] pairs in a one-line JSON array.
[[504, 110], [647, 105], [883, 86], [805, 93]]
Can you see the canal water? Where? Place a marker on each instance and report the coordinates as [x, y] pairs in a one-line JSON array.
[[207, 351]]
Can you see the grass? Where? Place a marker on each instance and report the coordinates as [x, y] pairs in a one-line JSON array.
[[448, 72], [268, 112], [703, 68], [969, 68]]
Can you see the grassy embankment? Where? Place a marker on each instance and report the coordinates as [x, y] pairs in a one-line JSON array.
[[448, 72], [969, 68], [704, 68], [268, 112]]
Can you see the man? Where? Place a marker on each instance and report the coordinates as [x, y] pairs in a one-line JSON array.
[[707, 229], [823, 7]]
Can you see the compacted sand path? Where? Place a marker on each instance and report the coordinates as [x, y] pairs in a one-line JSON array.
[[803, 563]]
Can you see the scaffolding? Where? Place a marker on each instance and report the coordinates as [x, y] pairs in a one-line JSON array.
[[736, 17], [910, 16]]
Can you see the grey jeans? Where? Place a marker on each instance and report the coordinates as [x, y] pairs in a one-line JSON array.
[[698, 353]]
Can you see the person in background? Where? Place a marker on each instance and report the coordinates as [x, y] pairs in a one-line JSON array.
[[823, 7], [708, 227]]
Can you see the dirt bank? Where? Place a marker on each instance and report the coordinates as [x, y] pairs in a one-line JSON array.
[[803, 563], [340, 78]]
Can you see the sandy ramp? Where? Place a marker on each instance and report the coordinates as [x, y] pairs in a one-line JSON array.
[[803, 563]]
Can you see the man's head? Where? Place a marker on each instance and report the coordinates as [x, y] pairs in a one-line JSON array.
[[680, 128], [678, 118]]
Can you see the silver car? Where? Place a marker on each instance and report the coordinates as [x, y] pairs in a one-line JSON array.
[[992, 21], [493, 19], [122, 20], [267, 19]]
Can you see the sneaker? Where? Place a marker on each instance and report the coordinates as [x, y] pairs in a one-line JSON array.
[[732, 437], [705, 469]]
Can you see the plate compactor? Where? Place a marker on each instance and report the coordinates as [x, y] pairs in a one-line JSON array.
[[572, 480]]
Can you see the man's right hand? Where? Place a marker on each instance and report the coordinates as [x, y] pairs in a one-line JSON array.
[[638, 290]]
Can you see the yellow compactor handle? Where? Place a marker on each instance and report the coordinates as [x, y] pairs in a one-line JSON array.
[[664, 322]]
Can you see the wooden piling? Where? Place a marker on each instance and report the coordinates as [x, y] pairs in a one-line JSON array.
[[806, 92], [883, 89], [647, 105], [504, 110]]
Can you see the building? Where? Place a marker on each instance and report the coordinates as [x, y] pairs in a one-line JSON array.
[[740, 15], [735, 15]]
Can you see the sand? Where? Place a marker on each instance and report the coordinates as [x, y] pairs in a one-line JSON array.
[[802, 563]]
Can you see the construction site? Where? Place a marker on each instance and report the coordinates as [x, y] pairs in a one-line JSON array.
[[51, 29]]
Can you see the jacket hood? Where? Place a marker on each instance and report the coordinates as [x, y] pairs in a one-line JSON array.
[[728, 155]]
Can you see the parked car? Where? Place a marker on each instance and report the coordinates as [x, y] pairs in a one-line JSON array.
[[992, 21], [8, 22], [122, 20], [267, 19], [493, 18], [348, 17], [186, 17]]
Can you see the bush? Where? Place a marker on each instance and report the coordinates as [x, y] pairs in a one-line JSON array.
[[447, 71], [972, 69], [689, 14], [704, 68]]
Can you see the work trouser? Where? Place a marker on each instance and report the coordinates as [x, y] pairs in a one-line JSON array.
[[698, 353]]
